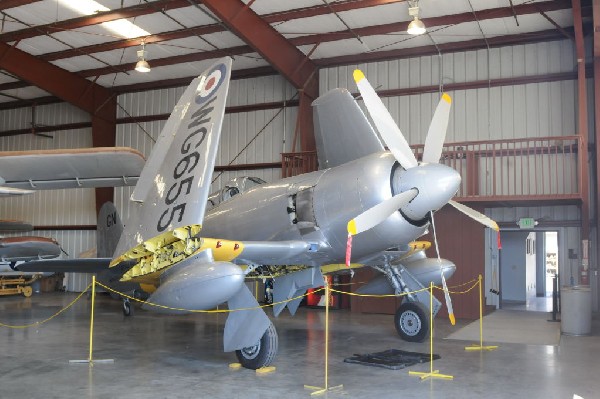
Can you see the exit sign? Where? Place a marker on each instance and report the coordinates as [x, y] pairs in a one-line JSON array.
[[526, 223]]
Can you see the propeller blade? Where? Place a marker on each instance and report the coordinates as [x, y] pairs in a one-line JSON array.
[[444, 285], [377, 214], [448, 301], [436, 135], [475, 215], [390, 133]]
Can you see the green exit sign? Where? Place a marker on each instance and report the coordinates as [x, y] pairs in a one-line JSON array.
[[526, 223]]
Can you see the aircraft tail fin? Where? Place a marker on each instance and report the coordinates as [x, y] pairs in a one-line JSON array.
[[342, 131], [108, 231]]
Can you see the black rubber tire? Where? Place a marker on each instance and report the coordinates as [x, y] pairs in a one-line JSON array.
[[127, 309], [261, 354], [412, 321]]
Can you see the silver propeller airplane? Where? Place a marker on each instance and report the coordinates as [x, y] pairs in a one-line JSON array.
[[189, 254]]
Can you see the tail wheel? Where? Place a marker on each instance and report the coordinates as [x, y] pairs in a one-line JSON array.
[[412, 321], [127, 308], [262, 353]]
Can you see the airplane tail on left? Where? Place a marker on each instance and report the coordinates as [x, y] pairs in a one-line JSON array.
[[108, 231]]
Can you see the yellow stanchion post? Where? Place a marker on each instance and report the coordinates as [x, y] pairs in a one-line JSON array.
[[321, 390], [90, 360], [480, 347], [432, 373]]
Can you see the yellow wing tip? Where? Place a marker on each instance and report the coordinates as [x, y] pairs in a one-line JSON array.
[[358, 75], [352, 227], [452, 319], [446, 97], [495, 226]]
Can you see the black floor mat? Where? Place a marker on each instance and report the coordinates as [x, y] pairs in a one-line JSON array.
[[391, 359]]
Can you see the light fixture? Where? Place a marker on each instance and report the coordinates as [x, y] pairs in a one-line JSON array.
[[142, 65], [416, 26]]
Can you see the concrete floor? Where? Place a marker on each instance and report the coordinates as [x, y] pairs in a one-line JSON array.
[[159, 356]]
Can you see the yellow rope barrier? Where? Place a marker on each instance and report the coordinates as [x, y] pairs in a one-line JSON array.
[[321, 390], [480, 347], [38, 323], [200, 310], [432, 373]]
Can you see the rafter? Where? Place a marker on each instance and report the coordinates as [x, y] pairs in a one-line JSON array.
[[310, 12], [6, 4], [334, 36]]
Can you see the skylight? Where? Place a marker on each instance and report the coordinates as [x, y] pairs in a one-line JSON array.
[[121, 27]]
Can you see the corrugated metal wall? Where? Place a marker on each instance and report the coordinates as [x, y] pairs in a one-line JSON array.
[[531, 110]]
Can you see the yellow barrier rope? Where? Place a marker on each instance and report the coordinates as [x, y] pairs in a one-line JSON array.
[[38, 323], [200, 310]]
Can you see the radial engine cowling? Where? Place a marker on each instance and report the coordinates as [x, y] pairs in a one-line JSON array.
[[194, 284]]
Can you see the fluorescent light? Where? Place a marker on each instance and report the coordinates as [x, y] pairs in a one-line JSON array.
[[121, 27]]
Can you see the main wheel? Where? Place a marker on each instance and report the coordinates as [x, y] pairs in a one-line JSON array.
[[262, 354], [127, 308], [412, 322]]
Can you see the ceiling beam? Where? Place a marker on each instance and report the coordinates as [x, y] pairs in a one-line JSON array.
[[305, 12], [475, 44], [270, 44], [66, 85], [98, 18], [6, 4], [319, 38], [452, 47], [383, 29]]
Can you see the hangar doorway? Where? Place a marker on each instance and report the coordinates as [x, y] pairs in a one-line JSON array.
[[528, 263]]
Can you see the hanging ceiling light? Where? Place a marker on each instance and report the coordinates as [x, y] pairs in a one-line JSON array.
[[416, 26], [142, 65]]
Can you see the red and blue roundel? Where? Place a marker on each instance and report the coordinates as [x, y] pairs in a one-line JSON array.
[[211, 83]]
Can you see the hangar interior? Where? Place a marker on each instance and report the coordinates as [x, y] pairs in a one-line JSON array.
[[522, 134]]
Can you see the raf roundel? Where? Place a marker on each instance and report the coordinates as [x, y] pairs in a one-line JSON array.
[[211, 83]]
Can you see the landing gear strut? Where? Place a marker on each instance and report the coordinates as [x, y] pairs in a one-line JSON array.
[[412, 317]]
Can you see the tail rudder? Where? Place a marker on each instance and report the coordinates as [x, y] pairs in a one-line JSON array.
[[108, 231]]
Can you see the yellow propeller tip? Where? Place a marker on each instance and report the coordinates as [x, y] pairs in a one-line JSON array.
[[495, 227], [446, 97], [352, 227], [358, 75], [452, 319]]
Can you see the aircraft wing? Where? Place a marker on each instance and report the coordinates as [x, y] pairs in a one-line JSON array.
[[83, 265], [13, 249], [23, 171]]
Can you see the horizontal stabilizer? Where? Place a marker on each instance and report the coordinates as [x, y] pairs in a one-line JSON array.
[[292, 285], [244, 328]]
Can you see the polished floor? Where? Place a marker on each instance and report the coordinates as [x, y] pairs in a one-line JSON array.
[[160, 356]]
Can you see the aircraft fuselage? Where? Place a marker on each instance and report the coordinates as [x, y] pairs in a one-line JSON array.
[[315, 207]]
